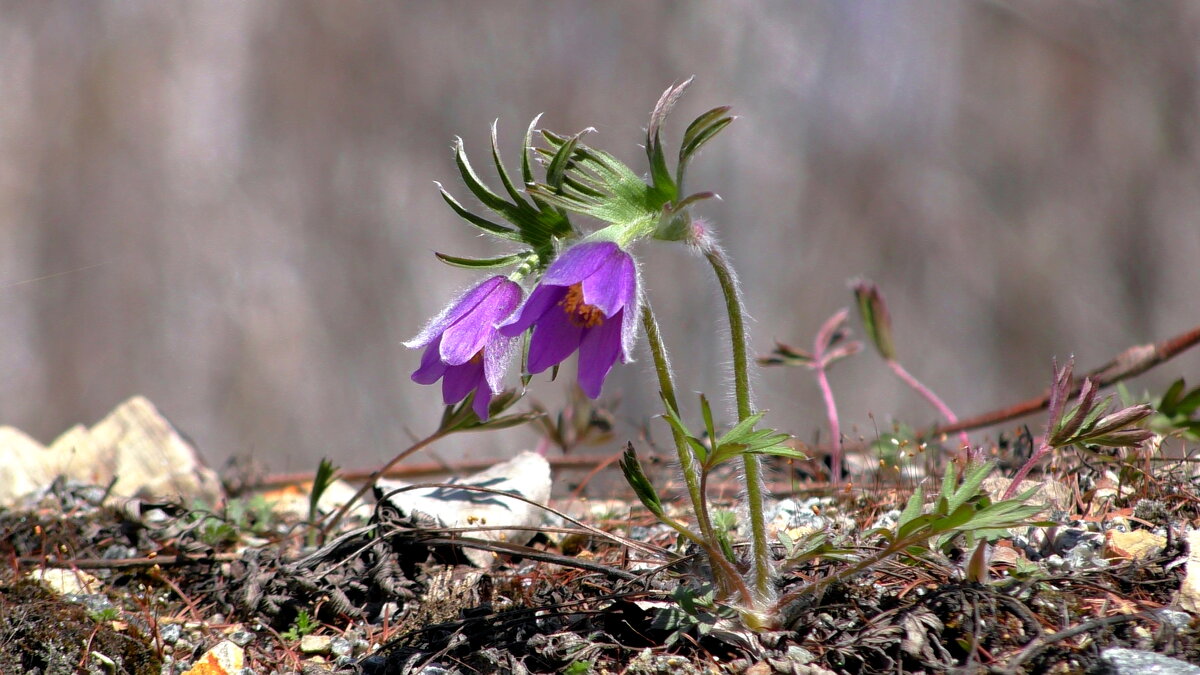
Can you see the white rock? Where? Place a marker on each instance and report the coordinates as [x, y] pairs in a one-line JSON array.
[[1189, 592], [67, 582], [134, 444], [527, 474], [22, 470], [1051, 495]]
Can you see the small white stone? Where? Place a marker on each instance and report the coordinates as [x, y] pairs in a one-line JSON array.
[[315, 644], [67, 582]]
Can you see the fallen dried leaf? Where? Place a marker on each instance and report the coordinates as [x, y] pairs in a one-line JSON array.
[[225, 658]]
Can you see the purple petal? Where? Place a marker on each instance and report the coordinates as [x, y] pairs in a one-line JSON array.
[[611, 285], [579, 262], [542, 299], [463, 339], [460, 380], [431, 368], [496, 356], [629, 321], [483, 398], [454, 311], [554, 338], [597, 353]]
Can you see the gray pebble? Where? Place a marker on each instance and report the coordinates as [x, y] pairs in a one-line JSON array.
[[1176, 618], [800, 655], [1121, 661], [170, 632], [94, 603], [1086, 555], [340, 646], [887, 520]]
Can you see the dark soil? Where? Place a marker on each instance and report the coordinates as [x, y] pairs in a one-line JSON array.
[[401, 599], [41, 632]]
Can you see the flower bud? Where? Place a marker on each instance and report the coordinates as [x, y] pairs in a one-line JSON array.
[[875, 317]]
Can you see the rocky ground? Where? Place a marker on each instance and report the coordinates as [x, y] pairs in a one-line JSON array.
[[259, 584]]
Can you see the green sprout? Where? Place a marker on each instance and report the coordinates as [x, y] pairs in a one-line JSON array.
[[326, 474], [301, 626], [962, 509], [1091, 422], [104, 615]]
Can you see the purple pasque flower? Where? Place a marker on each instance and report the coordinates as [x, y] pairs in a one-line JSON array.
[[586, 300], [463, 348]]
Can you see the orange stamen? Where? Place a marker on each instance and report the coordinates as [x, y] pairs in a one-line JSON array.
[[579, 312]]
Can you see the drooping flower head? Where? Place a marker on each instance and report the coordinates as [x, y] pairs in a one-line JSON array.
[[463, 348], [586, 300]]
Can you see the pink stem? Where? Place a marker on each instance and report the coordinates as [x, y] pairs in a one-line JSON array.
[[1042, 451], [929, 396], [834, 427]]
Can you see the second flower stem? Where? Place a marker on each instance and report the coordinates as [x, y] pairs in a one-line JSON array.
[[687, 460], [745, 408]]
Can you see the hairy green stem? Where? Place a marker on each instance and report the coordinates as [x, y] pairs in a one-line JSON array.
[[741, 383], [687, 459], [726, 575]]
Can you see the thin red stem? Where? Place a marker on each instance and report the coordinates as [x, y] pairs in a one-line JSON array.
[[933, 399], [835, 429]]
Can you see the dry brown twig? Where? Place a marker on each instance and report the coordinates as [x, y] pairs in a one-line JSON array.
[[1129, 363]]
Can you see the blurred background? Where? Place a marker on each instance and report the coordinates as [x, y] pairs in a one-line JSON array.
[[229, 207]]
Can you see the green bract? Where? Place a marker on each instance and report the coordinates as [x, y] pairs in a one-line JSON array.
[[596, 184], [533, 222]]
